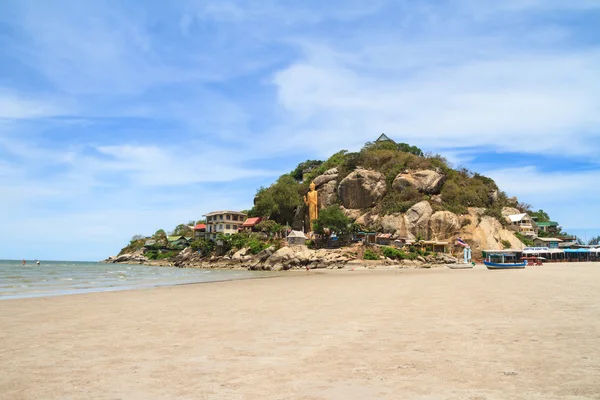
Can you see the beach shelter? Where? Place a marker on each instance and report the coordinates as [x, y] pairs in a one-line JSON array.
[[582, 254]]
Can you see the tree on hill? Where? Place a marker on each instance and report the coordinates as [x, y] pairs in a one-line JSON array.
[[540, 216], [304, 168], [182, 230], [269, 227], [333, 219], [160, 234], [279, 201]]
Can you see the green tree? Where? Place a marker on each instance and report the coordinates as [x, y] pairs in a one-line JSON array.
[[304, 168], [182, 230], [407, 148], [135, 238], [278, 202], [160, 234], [269, 227], [540, 216], [594, 241], [333, 219]]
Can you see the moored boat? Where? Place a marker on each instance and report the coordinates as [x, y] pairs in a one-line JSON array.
[[503, 261]]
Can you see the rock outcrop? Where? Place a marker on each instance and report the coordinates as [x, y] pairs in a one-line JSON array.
[[425, 181], [326, 186], [328, 176], [417, 218], [362, 189], [485, 232], [442, 225]]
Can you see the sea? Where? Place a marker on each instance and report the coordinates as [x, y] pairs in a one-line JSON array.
[[53, 278]]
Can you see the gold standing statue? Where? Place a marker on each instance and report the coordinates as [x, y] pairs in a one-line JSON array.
[[311, 199]]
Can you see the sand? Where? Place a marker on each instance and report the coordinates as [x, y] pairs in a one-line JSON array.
[[405, 334]]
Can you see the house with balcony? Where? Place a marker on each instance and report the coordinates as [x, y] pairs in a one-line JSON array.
[[223, 222], [523, 224], [199, 231]]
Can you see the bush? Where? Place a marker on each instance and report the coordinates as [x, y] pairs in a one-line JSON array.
[[506, 244], [524, 239], [256, 246], [370, 255], [391, 252]]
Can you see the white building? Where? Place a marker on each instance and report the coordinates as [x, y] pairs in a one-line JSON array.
[[223, 222], [523, 224]]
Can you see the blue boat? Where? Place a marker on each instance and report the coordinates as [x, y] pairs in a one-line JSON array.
[[504, 261]]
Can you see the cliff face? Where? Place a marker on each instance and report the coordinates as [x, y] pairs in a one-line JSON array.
[[360, 192]]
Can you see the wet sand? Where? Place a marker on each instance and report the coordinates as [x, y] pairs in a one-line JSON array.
[[405, 334]]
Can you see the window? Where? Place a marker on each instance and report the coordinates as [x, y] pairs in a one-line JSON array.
[[221, 217], [227, 226]]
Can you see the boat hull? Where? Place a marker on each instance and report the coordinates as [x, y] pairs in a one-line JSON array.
[[493, 265], [459, 266]]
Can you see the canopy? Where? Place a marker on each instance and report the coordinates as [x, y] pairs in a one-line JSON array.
[[544, 251], [577, 250]]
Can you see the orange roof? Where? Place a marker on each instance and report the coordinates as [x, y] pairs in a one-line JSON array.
[[250, 222], [199, 227]]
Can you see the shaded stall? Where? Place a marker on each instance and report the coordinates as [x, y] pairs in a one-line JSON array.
[[577, 255]]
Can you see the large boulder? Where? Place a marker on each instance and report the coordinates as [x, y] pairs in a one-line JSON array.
[[425, 181], [395, 224], [328, 176], [443, 224], [327, 194], [417, 218], [362, 189], [506, 211], [283, 256]]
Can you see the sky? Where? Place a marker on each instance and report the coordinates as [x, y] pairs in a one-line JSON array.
[[122, 117]]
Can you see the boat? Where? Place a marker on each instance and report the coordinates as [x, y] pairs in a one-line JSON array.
[[460, 266], [503, 261]]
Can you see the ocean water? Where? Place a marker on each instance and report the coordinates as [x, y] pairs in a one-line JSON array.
[[52, 278]]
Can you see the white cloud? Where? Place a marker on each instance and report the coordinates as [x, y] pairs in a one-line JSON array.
[[13, 106], [536, 101]]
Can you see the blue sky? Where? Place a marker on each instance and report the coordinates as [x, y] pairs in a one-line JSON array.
[[122, 117]]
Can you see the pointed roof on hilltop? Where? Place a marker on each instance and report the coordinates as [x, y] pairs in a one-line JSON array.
[[384, 138]]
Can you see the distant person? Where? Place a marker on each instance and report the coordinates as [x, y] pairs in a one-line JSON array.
[[37, 262], [24, 262]]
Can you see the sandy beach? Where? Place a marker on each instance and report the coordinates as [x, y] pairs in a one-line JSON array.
[[402, 334]]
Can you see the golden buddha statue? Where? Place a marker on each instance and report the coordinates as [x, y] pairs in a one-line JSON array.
[[311, 199]]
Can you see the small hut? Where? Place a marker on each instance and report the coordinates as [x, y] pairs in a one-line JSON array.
[[296, 238]]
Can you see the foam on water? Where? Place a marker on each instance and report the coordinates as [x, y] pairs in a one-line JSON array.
[[52, 278]]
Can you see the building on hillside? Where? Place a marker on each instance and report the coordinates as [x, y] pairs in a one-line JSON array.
[[384, 239], [177, 240], [548, 227], [223, 222], [200, 231], [384, 138], [433, 246], [551, 243], [523, 224], [568, 242], [249, 224], [366, 237], [296, 238]]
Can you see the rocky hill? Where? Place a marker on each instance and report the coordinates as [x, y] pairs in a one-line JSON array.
[[386, 188], [395, 188]]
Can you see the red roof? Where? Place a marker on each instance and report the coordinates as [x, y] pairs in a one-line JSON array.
[[250, 222], [200, 227]]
